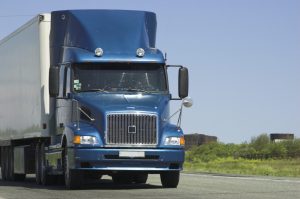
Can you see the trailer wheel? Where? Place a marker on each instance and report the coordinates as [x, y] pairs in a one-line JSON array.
[[19, 177], [37, 164], [141, 178], [8, 168], [6, 173], [73, 178], [7, 165], [170, 179], [3, 166], [11, 163]]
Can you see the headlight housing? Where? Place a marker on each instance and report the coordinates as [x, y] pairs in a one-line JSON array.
[[177, 141], [86, 139]]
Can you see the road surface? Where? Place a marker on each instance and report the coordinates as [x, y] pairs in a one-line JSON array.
[[198, 186]]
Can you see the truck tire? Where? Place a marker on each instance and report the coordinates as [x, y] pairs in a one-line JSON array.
[[8, 165], [19, 177], [93, 175], [11, 163], [73, 178], [6, 173], [3, 166], [121, 178], [8, 168], [37, 164], [140, 178], [170, 179], [46, 179], [12, 175]]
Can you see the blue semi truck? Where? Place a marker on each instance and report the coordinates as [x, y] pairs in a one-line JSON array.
[[85, 93]]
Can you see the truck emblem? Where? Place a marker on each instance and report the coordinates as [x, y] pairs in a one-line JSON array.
[[132, 129]]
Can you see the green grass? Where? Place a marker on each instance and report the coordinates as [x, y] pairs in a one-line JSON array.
[[229, 165]]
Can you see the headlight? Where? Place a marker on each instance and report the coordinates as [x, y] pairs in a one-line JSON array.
[[85, 140], [174, 141]]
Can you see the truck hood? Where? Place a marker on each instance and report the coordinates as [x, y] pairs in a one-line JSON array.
[[108, 102], [98, 105]]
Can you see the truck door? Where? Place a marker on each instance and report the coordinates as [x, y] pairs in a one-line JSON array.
[[63, 103]]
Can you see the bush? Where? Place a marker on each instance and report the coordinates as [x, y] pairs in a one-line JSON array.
[[259, 148], [260, 143], [292, 148]]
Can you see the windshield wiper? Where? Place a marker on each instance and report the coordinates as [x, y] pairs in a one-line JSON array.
[[136, 90], [94, 90]]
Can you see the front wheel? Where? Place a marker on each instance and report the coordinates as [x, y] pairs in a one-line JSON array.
[[73, 178], [121, 178], [140, 178], [170, 179]]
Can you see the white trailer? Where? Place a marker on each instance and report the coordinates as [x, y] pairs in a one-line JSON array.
[[24, 65], [25, 113]]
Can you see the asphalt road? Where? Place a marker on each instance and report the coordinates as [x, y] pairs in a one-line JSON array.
[[191, 186]]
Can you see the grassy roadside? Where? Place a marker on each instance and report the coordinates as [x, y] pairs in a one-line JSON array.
[[260, 156], [229, 165]]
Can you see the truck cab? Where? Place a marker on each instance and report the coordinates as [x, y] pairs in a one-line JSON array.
[[109, 101]]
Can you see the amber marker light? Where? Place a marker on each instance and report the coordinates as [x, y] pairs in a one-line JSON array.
[[182, 141], [76, 139]]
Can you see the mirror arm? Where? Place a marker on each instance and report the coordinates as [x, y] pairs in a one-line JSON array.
[[65, 98], [174, 66], [175, 99], [179, 117], [172, 115]]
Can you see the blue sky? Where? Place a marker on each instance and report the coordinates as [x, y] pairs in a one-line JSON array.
[[243, 57]]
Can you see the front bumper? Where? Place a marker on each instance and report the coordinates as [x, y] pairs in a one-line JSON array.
[[107, 159]]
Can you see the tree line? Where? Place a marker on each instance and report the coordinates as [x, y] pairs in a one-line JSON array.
[[260, 147]]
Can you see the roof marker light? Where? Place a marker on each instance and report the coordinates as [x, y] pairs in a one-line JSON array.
[[98, 52], [140, 52]]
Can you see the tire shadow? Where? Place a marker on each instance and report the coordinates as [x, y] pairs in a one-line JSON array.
[[101, 184]]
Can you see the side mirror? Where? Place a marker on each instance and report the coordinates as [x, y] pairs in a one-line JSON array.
[[54, 81], [183, 82]]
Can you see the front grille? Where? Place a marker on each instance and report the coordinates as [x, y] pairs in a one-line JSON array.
[[131, 129]]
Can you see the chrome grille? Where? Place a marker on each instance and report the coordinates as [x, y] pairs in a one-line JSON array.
[[131, 129]]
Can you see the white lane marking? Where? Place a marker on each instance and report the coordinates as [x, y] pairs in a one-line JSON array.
[[243, 178]]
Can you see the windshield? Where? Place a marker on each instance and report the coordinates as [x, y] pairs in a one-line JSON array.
[[110, 78]]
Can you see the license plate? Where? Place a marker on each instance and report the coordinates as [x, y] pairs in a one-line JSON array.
[[132, 154]]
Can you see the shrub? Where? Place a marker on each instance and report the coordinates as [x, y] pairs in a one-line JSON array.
[[259, 148]]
